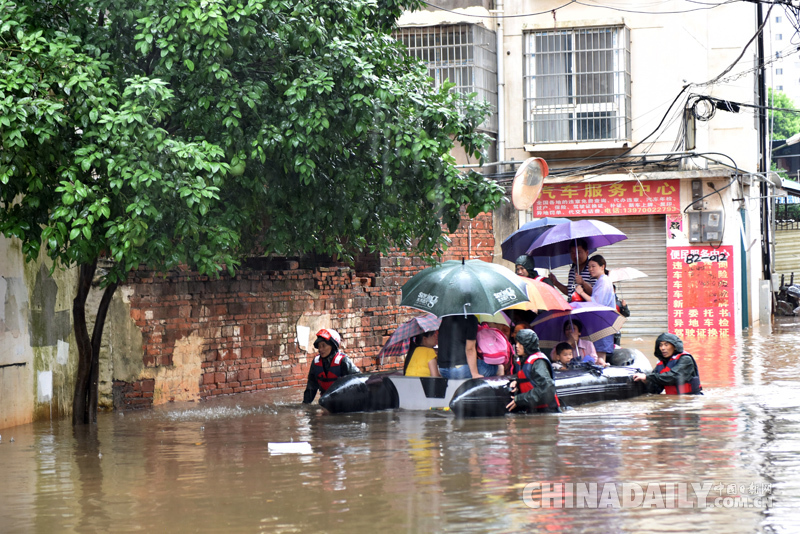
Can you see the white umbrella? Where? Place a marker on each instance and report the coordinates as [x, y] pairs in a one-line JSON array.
[[625, 273]]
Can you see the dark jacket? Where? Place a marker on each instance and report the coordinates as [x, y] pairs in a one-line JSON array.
[[681, 372], [544, 387]]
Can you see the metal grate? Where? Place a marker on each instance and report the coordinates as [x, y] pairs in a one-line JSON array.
[[464, 54], [577, 85]]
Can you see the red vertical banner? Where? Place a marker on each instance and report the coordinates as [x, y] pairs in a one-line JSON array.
[[700, 292]]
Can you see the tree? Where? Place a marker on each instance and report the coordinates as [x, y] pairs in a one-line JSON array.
[[194, 132], [784, 123]]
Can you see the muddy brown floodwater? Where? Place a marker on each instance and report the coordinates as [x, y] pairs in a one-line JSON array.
[[625, 466]]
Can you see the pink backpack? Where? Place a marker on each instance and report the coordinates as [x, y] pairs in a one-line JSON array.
[[492, 345]]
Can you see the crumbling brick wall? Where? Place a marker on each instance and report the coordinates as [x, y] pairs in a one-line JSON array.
[[247, 323]]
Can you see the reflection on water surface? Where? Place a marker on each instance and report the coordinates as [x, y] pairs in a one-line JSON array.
[[206, 467]]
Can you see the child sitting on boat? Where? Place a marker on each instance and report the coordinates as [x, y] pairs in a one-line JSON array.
[[561, 356], [421, 358]]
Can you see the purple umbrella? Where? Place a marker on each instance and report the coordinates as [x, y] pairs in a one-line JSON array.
[[598, 322], [557, 240], [401, 339], [518, 243]]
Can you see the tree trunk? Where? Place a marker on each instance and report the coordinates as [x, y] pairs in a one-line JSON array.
[[84, 403], [82, 380], [97, 336]]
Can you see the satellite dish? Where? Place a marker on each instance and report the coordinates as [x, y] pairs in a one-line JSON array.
[[528, 183]]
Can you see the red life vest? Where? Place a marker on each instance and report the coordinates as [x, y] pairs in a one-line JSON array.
[[326, 377], [524, 383], [692, 387]]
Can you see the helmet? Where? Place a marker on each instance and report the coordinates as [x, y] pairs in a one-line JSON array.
[[329, 335]]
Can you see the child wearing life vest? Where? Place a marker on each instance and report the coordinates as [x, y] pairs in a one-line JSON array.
[[676, 372], [534, 387]]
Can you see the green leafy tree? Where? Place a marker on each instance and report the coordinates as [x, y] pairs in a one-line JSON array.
[[194, 132], [784, 123]]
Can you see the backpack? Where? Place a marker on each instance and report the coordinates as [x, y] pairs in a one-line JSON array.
[[492, 345]]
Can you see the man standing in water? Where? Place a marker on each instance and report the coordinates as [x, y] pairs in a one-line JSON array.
[[676, 372], [328, 365]]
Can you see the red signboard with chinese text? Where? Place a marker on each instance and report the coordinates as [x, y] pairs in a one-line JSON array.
[[700, 292], [608, 199]]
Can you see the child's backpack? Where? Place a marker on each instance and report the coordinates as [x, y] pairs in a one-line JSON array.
[[492, 345]]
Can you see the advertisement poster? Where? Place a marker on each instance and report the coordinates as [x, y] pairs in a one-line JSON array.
[[674, 226], [605, 199], [700, 292]]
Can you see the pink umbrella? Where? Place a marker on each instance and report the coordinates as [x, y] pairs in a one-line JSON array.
[[401, 339]]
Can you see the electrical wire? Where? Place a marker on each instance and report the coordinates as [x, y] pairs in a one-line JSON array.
[[710, 6], [628, 151], [744, 49], [440, 8]]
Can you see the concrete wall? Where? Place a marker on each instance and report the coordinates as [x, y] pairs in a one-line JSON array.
[[38, 359]]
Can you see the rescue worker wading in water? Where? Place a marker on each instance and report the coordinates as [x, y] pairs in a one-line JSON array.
[[534, 386], [676, 372], [328, 365]]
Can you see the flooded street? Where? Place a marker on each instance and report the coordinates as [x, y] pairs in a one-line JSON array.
[[207, 468]]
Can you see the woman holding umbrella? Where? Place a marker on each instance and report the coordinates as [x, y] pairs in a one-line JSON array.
[[579, 275], [603, 294]]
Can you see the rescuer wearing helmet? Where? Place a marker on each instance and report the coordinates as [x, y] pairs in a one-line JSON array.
[[328, 365]]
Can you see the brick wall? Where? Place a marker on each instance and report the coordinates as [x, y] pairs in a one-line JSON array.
[[248, 322]]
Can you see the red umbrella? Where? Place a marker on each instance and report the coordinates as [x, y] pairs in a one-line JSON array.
[[401, 339]]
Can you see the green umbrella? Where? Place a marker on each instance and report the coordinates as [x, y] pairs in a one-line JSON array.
[[464, 287]]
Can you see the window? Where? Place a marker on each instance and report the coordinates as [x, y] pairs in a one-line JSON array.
[[779, 37], [778, 71], [779, 87], [464, 54], [778, 19], [577, 85]]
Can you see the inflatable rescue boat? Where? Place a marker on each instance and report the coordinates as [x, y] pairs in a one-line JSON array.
[[481, 397]]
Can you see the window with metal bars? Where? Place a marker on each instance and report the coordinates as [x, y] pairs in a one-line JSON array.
[[577, 85], [464, 54]]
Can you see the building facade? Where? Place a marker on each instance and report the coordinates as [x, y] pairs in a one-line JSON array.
[[638, 115]]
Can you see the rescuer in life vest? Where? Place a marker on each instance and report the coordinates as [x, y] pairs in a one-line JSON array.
[[328, 365], [534, 387], [676, 372]]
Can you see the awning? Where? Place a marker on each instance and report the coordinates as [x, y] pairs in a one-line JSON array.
[[793, 188]]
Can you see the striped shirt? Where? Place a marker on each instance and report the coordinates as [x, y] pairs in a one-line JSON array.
[[571, 280]]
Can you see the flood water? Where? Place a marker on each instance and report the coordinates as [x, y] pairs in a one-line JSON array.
[[206, 467]]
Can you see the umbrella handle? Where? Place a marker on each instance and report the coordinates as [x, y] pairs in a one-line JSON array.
[[465, 308]]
